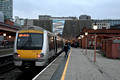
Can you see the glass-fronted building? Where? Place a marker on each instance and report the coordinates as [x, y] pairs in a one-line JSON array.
[[113, 23], [6, 7], [58, 26]]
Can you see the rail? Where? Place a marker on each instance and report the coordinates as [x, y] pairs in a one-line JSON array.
[[6, 63]]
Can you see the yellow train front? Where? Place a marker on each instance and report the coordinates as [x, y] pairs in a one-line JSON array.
[[35, 46]]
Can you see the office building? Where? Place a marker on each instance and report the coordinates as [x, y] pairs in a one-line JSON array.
[[58, 23], [58, 26], [6, 7], [113, 23], [101, 25], [1, 17], [74, 27]]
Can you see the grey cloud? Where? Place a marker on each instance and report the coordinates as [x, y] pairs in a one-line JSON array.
[[95, 8]]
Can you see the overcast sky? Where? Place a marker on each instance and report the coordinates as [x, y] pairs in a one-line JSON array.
[[97, 9]]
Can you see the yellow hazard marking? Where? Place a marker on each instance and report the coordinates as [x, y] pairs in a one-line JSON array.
[[65, 69]]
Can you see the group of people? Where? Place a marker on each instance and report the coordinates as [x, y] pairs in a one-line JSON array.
[[75, 44]]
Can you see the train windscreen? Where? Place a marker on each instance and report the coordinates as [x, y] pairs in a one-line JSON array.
[[30, 41]]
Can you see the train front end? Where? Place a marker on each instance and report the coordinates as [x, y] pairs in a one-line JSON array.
[[28, 48]]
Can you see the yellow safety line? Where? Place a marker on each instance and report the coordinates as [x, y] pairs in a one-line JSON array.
[[65, 69]]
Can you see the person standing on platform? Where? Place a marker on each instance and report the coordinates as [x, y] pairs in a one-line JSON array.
[[66, 47]]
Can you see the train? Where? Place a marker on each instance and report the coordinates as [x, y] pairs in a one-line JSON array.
[[35, 46]]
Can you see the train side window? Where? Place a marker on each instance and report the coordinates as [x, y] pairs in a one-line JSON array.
[[51, 42]]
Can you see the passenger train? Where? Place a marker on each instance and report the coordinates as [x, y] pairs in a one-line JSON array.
[[35, 46]]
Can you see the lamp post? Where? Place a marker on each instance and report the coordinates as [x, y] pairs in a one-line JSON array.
[[86, 33], [82, 41], [95, 28]]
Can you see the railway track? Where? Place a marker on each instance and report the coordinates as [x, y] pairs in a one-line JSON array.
[[30, 74], [6, 63], [9, 72]]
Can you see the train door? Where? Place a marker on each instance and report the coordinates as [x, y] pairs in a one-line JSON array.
[[51, 41]]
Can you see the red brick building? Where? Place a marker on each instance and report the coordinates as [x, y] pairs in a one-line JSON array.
[[100, 35], [9, 29]]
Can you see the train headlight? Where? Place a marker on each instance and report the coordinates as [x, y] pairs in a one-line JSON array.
[[17, 55], [40, 55]]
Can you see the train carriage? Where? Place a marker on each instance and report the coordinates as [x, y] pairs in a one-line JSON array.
[[35, 46]]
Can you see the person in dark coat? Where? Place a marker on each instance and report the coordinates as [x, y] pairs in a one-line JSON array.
[[66, 47]]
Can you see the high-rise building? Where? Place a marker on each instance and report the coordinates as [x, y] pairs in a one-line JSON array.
[[1, 17], [6, 7]]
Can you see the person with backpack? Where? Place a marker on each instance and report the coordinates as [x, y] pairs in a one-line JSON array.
[[66, 47]]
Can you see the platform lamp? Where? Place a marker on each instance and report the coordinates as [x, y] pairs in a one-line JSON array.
[[4, 34], [9, 36], [82, 36], [95, 28], [86, 33]]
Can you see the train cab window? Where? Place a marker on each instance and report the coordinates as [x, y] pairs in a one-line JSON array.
[[30, 41]]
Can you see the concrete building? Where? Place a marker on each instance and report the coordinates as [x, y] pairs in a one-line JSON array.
[[102, 24], [48, 17], [85, 17], [64, 18], [74, 27], [44, 17], [6, 7], [45, 24]]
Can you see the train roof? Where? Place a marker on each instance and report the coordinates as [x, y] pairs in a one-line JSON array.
[[32, 28], [35, 28]]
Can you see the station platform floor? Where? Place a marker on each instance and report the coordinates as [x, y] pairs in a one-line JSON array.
[[80, 66], [6, 51]]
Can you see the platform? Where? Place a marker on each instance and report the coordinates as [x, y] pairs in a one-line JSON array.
[[79, 66], [6, 51]]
